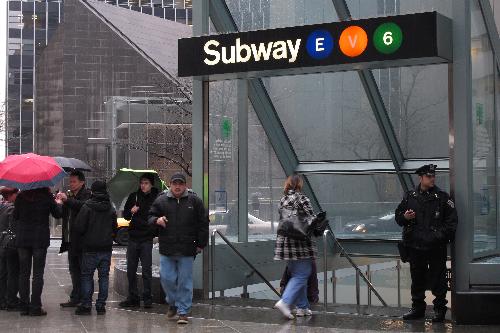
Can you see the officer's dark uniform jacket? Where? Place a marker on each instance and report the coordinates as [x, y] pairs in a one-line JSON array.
[[435, 219], [187, 226]]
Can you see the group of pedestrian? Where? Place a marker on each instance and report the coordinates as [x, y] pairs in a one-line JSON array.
[[179, 220]]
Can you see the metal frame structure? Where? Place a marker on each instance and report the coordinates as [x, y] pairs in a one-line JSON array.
[[460, 135]]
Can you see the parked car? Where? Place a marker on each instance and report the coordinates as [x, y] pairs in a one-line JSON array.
[[382, 224], [226, 223]]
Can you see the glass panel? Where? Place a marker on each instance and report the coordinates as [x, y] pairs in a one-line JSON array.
[[265, 182], [416, 99], [327, 116], [223, 157], [267, 14], [374, 8], [359, 206], [495, 5], [484, 161]]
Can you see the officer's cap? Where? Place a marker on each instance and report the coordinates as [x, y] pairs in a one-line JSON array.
[[428, 169]]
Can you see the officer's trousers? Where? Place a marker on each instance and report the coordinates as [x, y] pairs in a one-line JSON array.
[[428, 270]]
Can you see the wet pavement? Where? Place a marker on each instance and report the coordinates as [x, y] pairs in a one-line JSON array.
[[230, 315]]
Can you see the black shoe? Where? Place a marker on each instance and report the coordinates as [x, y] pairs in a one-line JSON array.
[[3, 307], [414, 314], [83, 311], [100, 310], [38, 312], [438, 316], [129, 304], [148, 304], [13, 308], [69, 304]]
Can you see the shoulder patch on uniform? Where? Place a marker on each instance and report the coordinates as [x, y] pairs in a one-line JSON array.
[[451, 203]]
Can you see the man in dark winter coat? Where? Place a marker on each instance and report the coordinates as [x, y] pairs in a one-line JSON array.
[[429, 220], [9, 260], [73, 200], [96, 225], [140, 243], [183, 232]]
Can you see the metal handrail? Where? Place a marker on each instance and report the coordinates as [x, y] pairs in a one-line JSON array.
[[231, 246], [353, 264]]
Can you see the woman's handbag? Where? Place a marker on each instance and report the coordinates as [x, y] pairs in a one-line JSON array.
[[300, 226]]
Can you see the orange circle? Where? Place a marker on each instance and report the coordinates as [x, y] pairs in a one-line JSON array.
[[353, 41]]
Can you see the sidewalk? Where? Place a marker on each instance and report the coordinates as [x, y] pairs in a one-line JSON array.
[[217, 319]]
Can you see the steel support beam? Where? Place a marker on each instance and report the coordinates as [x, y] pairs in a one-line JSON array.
[[491, 28], [200, 131], [262, 104], [378, 108]]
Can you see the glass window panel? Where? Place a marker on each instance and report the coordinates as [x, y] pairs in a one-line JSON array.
[[327, 116], [265, 182], [482, 117], [375, 8], [416, 99], [495, 6], [223, 157], [359, 206]]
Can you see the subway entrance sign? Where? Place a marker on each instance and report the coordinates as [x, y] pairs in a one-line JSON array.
[[394, 41]]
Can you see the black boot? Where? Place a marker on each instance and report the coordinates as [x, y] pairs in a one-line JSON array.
[[130, 303], [439, 315], [414, 314], [83, 311], [69, 304]]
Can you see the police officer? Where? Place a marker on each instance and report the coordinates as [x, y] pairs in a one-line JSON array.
[[429, 219]]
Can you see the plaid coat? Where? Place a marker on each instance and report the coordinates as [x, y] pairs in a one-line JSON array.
[[293, 249]]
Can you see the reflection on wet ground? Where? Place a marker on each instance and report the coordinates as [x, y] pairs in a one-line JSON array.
[[224, 316]]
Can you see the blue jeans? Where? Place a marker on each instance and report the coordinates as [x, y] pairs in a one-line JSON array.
[[176, 275], [90, 262], [296, 289]]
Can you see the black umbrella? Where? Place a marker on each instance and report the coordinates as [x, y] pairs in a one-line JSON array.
[[70, 164]]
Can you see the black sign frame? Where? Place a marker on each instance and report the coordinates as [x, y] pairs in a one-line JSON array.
[[427, 39]]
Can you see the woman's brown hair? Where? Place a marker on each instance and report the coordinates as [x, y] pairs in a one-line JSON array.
[[293, 183]]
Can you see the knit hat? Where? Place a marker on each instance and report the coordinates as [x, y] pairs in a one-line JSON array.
[[99, 186]]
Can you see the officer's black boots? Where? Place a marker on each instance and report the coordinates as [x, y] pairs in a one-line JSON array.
[[414, 314], [439, 316]]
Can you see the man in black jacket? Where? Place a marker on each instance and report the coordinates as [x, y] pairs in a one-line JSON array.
[[9, 260], [73, 200], [96, 224], [140, 243], [429, 221], [183, 232]]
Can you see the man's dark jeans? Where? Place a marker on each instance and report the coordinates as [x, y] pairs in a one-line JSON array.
[[74, 259], [90, 262], [139, 251], [31, 257], [9, 278]]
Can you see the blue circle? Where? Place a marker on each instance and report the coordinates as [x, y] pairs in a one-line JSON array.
[[319, 44]]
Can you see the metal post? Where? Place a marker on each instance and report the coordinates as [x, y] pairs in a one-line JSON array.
[[357, 288], [212, 264], [398, 268], [369, 277], [325, 269], [334, 287]]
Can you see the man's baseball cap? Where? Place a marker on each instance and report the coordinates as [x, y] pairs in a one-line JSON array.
[[178, 176]]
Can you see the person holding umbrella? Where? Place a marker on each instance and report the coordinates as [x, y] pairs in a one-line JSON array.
[[140, 244], [72, 203], [33, 175]]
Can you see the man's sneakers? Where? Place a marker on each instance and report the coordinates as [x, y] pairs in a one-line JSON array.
[[414, 314], [83, 311], [69, 304], [182, 320], [284, 309], [129, 303], [303, 313], [172, 312]]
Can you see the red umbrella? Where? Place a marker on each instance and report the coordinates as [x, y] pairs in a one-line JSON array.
[[30, 171]]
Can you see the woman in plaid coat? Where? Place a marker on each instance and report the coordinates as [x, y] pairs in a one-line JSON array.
[[299, 254]]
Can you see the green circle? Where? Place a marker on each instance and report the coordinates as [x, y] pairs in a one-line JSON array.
[[388, 38]]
